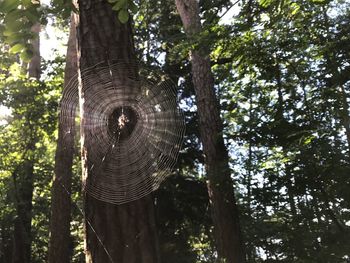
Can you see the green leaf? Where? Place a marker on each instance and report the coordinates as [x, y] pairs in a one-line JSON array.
[[27, 3], [121, 4], [133, 7], [112, 1], [8, 32], [32, 14], [26, 55], [17, 48], [295, 8], [8, 5], [11, 40], [16, 25], [17, 37], [320, 2], [265, 3], [123, 16], [308, 139], [13, 16]]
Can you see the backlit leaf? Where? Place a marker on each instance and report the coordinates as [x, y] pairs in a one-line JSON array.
[[26, 55], [17, 48], [123, 16], [8, 5]]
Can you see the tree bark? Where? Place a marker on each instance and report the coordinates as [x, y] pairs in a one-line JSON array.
[[60, 241], [34, 69], [114, 233], [220, 186], [23, 176]]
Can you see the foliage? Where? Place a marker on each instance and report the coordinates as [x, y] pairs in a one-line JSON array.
[[28, 133], [17, 19], [289, 129], [122, 7]]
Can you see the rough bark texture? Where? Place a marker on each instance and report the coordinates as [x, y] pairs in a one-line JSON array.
[[124, 233], [23, 177], [220, 185], [60, 248], [102, 36]]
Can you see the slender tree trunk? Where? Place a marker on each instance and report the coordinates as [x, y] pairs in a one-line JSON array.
[[220, 186], [250, 155], [329, 211], [338, 81], [280, 118], [23, 180], [23, 177], [248, 177], [60, 248], [289, 186], [34, 69], [114, 233], [345, 115]]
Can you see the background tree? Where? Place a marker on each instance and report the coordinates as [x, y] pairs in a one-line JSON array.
[[26, 138], [60, 239], [220, 186]]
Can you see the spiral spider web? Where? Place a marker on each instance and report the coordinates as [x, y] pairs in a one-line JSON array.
[[132, 127]]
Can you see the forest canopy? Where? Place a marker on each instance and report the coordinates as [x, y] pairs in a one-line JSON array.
[[281, 82]]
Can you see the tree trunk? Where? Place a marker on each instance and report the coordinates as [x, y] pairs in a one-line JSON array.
[[338, 81], [34, 69], [60, 241], [23, 176], [345, 115], [220, 186], [114, 233], [23, 180]]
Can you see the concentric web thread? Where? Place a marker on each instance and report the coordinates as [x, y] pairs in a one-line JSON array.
[[132, 126]]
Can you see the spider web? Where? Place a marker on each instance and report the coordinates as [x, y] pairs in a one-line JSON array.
[[132, 129]]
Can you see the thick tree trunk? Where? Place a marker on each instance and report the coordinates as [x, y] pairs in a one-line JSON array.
[[60, 241], [114, 233], [220, 185], [23, 177]]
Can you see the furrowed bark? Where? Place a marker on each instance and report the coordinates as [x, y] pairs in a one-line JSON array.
[[220, 186], [60, 240], [114, 233]]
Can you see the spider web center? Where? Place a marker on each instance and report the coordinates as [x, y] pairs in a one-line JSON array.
[[122, 122]]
